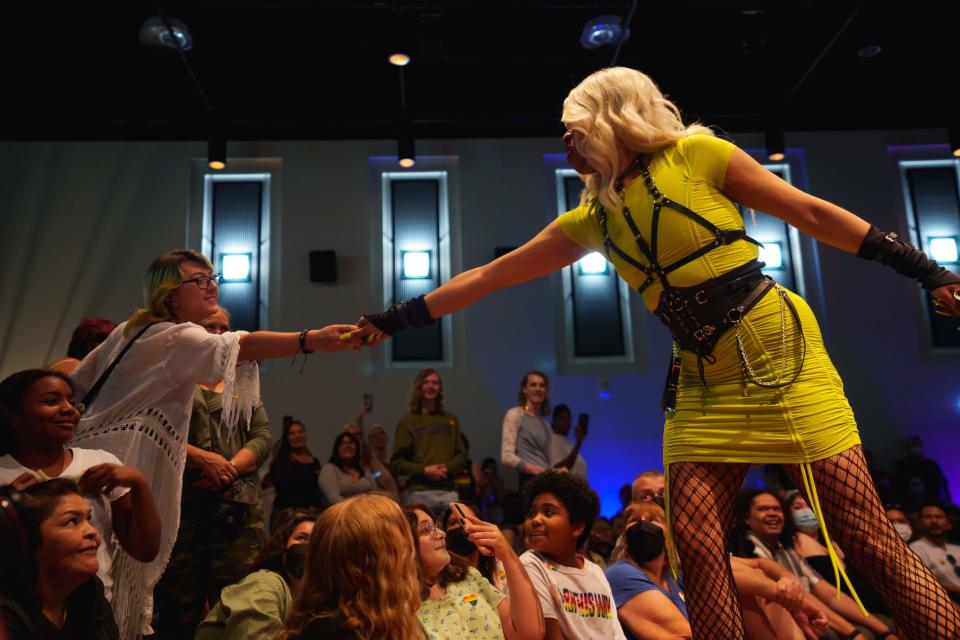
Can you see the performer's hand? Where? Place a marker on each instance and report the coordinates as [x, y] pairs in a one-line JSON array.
[[335, 337], [946, 300], [370, 336]]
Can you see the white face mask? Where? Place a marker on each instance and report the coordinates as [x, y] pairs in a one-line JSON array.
[[904, 530], [806, 520]]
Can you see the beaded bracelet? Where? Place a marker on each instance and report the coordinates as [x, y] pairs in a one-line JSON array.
[[303, 342]]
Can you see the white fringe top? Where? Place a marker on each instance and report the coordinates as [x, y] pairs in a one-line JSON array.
[[142, 416]]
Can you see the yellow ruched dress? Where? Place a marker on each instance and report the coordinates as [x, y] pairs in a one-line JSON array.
[[805, 421]]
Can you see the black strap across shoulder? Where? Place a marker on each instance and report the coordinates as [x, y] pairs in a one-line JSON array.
[[654, 270], [697, 316], [94, 391]]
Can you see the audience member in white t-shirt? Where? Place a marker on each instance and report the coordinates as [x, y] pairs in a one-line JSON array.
[[38, 419], [575, 596], [941, 557]]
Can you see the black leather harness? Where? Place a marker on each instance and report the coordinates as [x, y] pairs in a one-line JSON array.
[[697, 316]]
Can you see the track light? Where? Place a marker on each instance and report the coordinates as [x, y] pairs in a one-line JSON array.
[[953, 134], [156, 34], [399, 59], [603, 31], [406, 151], [217, 152], [775, 147]]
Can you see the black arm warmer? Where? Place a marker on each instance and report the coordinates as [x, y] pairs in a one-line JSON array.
[[885, 247], [403, 315]]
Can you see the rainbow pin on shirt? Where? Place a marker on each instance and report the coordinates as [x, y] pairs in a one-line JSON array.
[[471, 600]]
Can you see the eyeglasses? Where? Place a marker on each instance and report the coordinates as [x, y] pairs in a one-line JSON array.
[[953, 563], [426, 529], [204, 282]]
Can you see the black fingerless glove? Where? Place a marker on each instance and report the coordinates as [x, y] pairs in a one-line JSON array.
[[403, 315], [885, 247]]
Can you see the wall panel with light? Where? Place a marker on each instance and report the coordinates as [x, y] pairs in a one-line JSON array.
[[596, 305], [416, 258], [236, 211], [930, 190], [780, 242]]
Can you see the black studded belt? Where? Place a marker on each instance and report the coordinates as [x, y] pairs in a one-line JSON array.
[[697, 316]]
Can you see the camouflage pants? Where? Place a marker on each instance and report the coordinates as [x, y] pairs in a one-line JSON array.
[[210, 554]]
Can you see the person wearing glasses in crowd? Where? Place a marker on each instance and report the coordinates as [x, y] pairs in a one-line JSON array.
[[138, 385], [458, 602], [940, 556]]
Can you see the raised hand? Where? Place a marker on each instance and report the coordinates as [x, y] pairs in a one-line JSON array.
[[488, 538]]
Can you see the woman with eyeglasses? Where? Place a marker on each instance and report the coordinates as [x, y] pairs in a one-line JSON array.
[[137, 388]]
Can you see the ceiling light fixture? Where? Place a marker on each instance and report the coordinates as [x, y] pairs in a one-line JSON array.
[[160, 32], [406, 151], [870, 51], [604, 31], [399, 59], [953, 136], [775, 148], [216, 153]]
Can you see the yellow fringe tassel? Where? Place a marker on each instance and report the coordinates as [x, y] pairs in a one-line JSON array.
[[807, 473]]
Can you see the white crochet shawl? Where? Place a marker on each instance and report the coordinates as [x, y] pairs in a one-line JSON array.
[[142, 416]]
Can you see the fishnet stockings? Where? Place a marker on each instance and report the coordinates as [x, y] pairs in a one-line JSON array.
[[702, 497], [858, 523]]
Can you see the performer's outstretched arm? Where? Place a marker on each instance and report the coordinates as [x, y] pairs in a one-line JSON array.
[[545, 253], [750, 184]]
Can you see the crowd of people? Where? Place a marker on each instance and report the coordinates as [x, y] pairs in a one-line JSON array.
[[483, 561], [132, 473]]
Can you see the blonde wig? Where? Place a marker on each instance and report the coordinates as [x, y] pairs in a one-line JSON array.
[[162, 278], [616, 109], [361, 568]]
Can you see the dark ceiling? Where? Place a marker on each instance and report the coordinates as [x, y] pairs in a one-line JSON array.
[[302, 70]]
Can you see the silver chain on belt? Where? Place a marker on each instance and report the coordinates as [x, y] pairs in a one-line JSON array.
[[745, 365]]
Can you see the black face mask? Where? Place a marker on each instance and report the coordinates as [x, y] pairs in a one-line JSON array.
[[294, 559], [645, 541], [459, 543]]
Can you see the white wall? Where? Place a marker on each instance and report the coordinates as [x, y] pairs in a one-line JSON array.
[[81, 221]]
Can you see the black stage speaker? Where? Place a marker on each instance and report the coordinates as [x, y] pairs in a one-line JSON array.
[[323, 266]]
